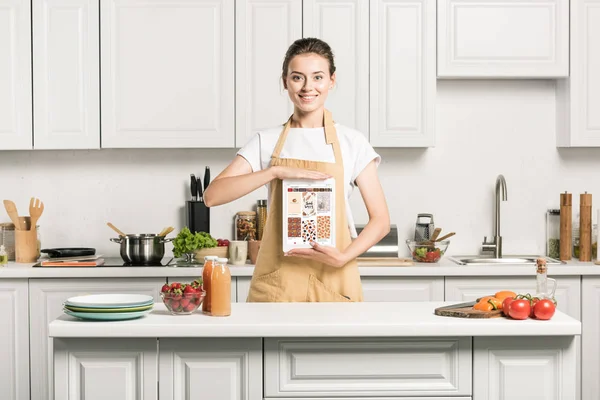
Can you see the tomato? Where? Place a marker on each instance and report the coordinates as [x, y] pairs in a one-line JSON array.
[[519, 309], [544, 309], [532, 303], [506, 305]]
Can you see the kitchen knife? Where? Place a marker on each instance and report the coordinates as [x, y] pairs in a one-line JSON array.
[[193, 187], [206, 177], [200, 192]]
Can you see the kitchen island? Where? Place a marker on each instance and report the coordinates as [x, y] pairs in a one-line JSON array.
[[318, 351]]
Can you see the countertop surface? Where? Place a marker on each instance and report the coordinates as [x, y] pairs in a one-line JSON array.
[[314, 320], [444, 267]]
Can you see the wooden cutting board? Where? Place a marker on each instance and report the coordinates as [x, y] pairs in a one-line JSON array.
[[384, 262], [465, 310]]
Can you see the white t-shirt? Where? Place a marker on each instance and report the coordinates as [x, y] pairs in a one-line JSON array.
[[309, 144]]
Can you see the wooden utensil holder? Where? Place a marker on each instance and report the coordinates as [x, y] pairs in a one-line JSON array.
[[26, 246], [585, 227]]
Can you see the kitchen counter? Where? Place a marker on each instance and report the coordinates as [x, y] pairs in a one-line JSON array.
[[443, 268], [314, 319]]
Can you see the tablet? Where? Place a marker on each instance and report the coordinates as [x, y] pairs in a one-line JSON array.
[[308, 213]]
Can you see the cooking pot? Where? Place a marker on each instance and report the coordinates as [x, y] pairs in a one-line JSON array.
[[143, 249]]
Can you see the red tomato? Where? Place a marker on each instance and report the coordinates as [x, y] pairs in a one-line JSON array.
[[519, 309], [506, 305], [534, 301], [544, 309]]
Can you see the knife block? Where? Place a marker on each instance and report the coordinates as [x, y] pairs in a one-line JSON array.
[[197, 216], [26, 246]]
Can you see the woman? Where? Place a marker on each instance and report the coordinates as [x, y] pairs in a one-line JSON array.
[[309, 146]]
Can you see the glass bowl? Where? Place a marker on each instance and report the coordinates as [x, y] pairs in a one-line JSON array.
[[183, 304], [422, 252]]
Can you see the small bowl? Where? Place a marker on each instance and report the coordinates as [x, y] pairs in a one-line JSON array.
[[183, 304], [219, 251], [421, 252]]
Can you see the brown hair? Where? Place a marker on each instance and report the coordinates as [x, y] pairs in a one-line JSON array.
[[306, 46]]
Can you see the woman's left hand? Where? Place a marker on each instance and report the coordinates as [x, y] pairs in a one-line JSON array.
[[325, 254]]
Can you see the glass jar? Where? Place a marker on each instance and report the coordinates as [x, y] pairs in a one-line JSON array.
[[576, 237], [261, 211], [245, 225], [7, 238], [220, 287], [595, 242], [553, 233], [209, 262]]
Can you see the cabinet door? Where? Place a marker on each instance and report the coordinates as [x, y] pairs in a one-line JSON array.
[[66, 63], [15, 75], [265, 29], [505, 38], [14, 346], [403, 76], [167, 70], [243, 288], [224, 369], [98, 369], [578, 98], [403, 289], [344, 25], [46, 302], [590, 345]]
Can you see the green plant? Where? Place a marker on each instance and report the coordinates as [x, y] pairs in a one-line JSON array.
[[187, 242]]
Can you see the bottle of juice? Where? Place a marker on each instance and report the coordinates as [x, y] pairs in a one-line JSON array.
[[206, 277], [220, 286]]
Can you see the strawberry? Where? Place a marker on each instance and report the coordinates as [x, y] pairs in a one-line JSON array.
[[165, 288], [189, 289], [190, 307], [175, 305], [175, 285], [184, 302]]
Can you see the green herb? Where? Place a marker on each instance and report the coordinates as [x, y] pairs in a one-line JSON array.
[[187, 242]]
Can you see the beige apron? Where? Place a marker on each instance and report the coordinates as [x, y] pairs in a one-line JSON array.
[[278, 278]]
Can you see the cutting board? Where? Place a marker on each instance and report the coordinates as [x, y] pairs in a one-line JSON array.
[[465, 310], [384, 262]]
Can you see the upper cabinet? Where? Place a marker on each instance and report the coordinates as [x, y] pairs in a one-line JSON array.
[[402, 73], [503, 38], [15, 75], [578, 99], [66, 62], [167, 70], [264, 31], [344, 25]]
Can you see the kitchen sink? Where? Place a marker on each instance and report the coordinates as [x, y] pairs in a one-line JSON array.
[[505, 260]]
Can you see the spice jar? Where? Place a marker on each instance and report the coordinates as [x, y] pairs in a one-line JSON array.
[[553, 233], [245, 225], [261, 211], [595, 242], [7, 239]]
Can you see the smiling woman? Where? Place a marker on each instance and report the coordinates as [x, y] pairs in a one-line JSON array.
[[310, 146]]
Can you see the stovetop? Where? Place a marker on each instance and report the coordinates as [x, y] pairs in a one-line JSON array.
[[118, 262]]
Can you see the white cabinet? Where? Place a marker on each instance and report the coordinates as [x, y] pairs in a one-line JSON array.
[[344, 25], [264, 31], [403, 76], [66, 63], [590, 337], [46, 303], [102, 369], [167, 70], [15, 75], [404, 288], [14, 346], [243, 288], [216, 369], [503, 38], [568, 290], [578, 98], [524, 368], [322, 367]]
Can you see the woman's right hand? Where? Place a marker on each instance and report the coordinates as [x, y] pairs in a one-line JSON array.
[[298, 173]]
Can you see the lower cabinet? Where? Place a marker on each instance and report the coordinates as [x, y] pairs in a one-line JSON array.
[[215, 369], [14, 339], [101, 369], [590, 337], [46, 303], [367, 367]]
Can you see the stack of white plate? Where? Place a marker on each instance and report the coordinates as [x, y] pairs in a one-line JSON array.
[[109, 307]]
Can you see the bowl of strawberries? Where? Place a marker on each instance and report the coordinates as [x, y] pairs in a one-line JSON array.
[[183, 298]]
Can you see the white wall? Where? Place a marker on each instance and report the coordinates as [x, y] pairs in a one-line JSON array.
[[484, 128]]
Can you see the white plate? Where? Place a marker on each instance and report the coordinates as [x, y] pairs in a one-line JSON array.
[[110, 300], [107, 317]]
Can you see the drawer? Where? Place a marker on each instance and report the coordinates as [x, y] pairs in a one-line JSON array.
[[336, 367]]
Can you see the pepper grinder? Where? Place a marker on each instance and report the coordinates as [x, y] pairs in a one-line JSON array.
[[585, 227], [566, 222]]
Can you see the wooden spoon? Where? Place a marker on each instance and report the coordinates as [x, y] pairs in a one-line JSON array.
[[11, 209], [445, 236], [36, 208], [166, 231], [114, 228], [436, 233]]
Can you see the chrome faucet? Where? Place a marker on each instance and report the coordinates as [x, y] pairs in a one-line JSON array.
[[496, 245]]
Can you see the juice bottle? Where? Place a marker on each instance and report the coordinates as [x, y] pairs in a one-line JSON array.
[[220, 286], [206, 277]]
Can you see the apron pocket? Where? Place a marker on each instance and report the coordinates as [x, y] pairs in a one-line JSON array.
[[265, 288], [319, 292]]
